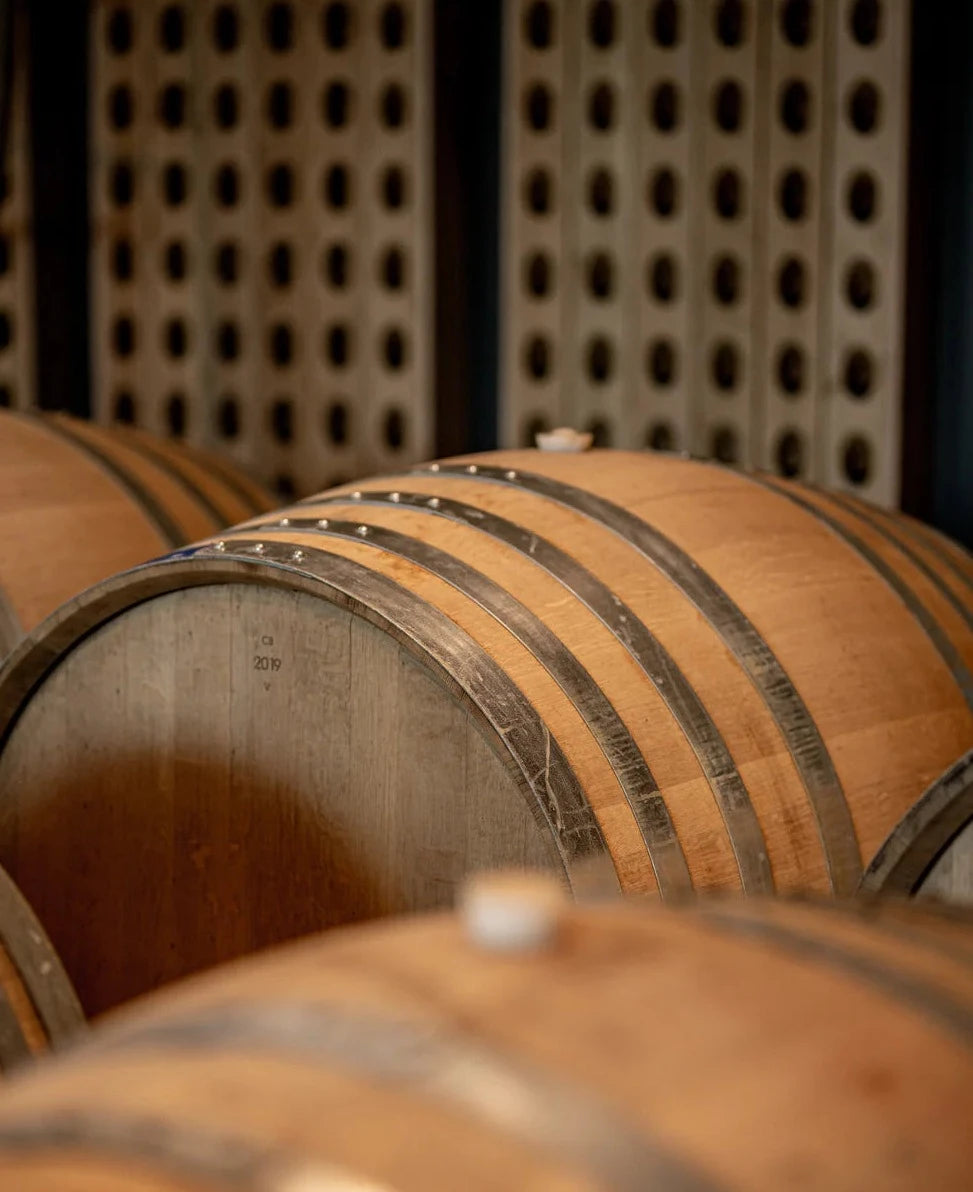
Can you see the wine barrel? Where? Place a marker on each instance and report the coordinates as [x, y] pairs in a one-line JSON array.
[[39, 1009], [645, 673], [738, 1043], [79, 502]]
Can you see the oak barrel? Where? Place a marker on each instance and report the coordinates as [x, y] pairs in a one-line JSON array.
[[644, 673], [734, 1044], [39, 1009], [79, 502]]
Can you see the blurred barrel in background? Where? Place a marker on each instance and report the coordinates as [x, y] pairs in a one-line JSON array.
[[645, 673], [79, 502], [39, 1009], [732, 1044]]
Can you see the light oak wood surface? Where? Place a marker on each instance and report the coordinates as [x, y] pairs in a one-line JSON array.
[[647, 674], [738, 1044], [79, 502]]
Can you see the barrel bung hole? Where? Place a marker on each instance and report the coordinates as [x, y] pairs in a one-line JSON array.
[[226, 28], [539, 25], [664, 23], [660, 362], [172, 28], [6, 256], [280, 265], [789, 453], [857, 460], [858, 373], [730, 23], [724, 445], [228, 417], [393, 429], [664, 106], [279, 27], [122, 260], [119, 32], [537, 358], [282, 420], [337, 265], [226, 106], [176, 415], [393, 26], [123, 409], [791, 368], [660, 437], [865, 19], [337, 423], [175, 262], [121, 107]]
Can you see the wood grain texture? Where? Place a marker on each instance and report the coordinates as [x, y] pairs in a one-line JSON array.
[[735, 1044], [38, 1007], [80, 502], [286, 753]]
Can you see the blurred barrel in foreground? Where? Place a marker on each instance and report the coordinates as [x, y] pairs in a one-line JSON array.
[[38, 1008], [646, 673], [733, 1044], [79, 502]]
